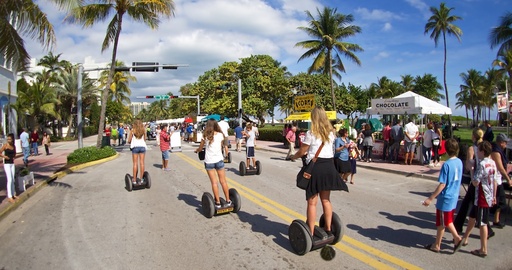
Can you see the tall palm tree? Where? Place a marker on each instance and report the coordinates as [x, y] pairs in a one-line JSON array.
[[120, 88], [440, 24], [147, 11], [329, 30], [463, 100], [491, 81], [22, 18], [504, 61], [502, 35], [407, 82]]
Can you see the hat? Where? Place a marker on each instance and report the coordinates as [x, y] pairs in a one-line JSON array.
[[502, 138]]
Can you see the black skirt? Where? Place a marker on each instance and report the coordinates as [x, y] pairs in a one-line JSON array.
[[324, 177], [342, 166]]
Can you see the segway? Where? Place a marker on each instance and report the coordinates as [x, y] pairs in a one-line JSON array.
[[208, 204], [251, 170], [145, 182], [301, 240]]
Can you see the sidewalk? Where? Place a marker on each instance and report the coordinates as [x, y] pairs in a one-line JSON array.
[[44, 167]]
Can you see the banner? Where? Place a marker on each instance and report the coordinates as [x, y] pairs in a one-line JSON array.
[[304, 103], [502, 100], [393, 105]]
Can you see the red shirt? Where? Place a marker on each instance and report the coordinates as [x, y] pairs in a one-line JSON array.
[[165, 141], [290, 136], [34, 137], [386, 133]]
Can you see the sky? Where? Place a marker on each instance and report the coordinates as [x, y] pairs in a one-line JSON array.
[[203, 34]]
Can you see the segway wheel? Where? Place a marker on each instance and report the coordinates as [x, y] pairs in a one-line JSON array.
[[128, 182], [236, 199], [242, 168], [299, 236], [147, 179], [258, 167], [208, 205], [229, 157], [337, 227]]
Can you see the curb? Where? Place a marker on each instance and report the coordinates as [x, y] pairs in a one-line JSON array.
[[31, 191]]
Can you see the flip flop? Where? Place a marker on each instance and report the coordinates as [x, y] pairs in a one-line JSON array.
[[457, 247], [429, 247], [477, 252]]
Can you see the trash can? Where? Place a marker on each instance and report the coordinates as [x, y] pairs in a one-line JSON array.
[[105, 141]]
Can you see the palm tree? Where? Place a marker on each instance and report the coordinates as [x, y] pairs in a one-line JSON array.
[[441, 23], [22, 18], [120, 87], [491, 80], [463, 100], [328, 31], [502, 35], [147, 12], [407, 82], [504, 61], [473, 85]]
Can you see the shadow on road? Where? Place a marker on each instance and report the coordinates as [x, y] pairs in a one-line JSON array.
[[59, 184], [192, 201], [424, 222], [261, 224]]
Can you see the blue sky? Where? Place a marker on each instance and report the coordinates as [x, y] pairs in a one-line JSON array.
[[205, 33]]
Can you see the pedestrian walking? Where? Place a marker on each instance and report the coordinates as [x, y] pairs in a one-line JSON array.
[[114, 136], [165, 145], [212, 142], [324, 176], [485, 182], [8, 152], [437, 139], [238, 137], [447, 194], [368, 140], [137, 141], [34, 140], [500, 158], [46, 142], [120, 132], [291, 137], [25, 145], [426, 146]]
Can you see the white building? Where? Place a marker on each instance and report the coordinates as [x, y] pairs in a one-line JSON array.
[[8, 95], [137, 107]]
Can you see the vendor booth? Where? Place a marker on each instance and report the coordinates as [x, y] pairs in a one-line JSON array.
[[306, 116], [406, 103]]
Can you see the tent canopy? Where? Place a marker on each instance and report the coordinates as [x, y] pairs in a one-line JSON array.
[[408, 102], [216, 117], [305, 116]]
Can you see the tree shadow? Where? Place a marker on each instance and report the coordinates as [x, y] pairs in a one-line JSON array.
[[261, 224], [59, 184]]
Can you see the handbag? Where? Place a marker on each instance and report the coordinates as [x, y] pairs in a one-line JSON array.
[[304, 174], [435, 141], [201, 154]]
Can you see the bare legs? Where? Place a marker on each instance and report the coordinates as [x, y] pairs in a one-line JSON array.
[[311, 210], [213, 174], [138, 159]]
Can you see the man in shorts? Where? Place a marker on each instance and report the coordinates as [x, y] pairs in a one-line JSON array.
[[411, 132], [165, 145]]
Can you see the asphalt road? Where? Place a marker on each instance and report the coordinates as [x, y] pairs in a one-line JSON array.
[[88, 220]]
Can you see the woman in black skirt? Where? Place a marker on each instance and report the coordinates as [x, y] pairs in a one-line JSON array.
[[324, 176]]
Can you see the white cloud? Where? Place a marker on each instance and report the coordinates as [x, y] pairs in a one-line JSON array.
[[381, 55], [376, 15], [421, 6], [387, 27]]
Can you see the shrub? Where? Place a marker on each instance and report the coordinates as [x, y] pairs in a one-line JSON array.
[[91, 153], [275, 135], [89, 130]]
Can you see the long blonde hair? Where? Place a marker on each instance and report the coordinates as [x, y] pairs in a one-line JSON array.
[[211, 127], [478, 134], [320, 125], [138, 129]]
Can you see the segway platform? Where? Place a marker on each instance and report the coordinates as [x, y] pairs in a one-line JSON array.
[[301, 240], [251, 171], [208, 204], [145, 182]]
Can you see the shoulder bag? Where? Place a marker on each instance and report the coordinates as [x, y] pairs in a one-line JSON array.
[[304, 174]]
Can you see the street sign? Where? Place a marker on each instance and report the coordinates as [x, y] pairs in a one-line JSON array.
[[304, 103], [160, 97]]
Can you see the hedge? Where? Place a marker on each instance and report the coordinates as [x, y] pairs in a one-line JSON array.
[[91, 153], [275, 135]]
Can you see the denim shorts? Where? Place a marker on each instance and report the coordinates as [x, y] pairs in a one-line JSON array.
[[139, 150], [165, 155], [217, 166]]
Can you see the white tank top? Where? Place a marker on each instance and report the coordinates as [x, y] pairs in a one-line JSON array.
[[138, 142]]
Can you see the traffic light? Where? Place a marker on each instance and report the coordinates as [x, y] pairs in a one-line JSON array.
[[164, 66], [240, 112], [171, 97], [147, 66]]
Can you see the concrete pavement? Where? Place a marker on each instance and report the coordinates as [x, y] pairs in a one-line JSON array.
[[51, 167]]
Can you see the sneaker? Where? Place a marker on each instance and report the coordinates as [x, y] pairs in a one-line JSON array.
[[228, 204], [218, 205], [498, 225], [167, 169]]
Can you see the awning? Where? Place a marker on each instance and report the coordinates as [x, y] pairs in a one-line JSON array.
[[331, 115]]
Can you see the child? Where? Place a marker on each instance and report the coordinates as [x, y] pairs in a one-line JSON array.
[[212, 140], [249, 145], [353, 155], [485, 182], [448, 191]]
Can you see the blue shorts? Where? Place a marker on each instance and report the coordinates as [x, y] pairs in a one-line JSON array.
[[250, 151], [217, 166], [165, 155], [139, 150]]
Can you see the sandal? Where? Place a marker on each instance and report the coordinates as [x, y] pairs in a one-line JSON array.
[[478, 253], [429, 247], [458, 245]]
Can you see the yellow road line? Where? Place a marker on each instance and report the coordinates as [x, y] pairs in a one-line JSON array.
[[288, 215]]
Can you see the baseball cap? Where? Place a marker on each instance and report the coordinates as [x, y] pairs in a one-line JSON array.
[[502, 138]]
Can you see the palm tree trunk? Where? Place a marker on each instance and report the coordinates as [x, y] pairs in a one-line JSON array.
[[329, 58], [467, 117], [106, 91], [446, 89]]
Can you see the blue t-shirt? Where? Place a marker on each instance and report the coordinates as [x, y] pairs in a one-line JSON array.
[[450, 175], [238, 132], [121, 132], [339, 142]]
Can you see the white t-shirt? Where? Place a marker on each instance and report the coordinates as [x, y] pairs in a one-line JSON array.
[[251, 136], [411, 129], [314, 144], [224, 126], [213, 150]]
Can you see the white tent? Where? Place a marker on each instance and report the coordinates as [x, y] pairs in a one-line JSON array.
[[408, 102]]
